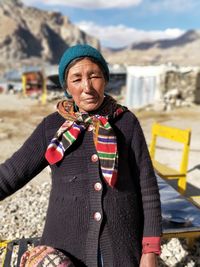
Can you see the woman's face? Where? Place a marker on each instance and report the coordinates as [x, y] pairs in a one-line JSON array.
[[86, 84]]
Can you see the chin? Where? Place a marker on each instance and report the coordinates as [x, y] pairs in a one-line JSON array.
[[90, 107]]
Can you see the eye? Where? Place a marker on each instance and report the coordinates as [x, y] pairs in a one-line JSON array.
[[96, 76], [76, 80]]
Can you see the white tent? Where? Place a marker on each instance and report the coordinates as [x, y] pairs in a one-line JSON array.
[[143, 85]]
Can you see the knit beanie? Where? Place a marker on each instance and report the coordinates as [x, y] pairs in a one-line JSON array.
[[80, 50]]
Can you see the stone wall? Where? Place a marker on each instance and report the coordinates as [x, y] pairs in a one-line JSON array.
[[181, 87]]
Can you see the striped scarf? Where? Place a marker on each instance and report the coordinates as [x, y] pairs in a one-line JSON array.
[[103, 135]]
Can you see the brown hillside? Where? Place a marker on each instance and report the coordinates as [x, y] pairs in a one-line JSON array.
[[27, 32]]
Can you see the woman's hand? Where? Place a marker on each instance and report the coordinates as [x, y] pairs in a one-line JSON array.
[[149, 260]]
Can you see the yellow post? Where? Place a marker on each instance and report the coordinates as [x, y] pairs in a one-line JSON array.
[[24, 84], [184, 163], [152, 147], [3, 248]]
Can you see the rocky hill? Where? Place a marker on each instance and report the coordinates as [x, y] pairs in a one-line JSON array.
[[183, 50], [29, 35]]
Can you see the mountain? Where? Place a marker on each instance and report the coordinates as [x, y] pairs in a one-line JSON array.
[[29, 35], [188, 37], [183, 50]]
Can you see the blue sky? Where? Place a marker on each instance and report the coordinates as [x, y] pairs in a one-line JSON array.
[[118, 23]]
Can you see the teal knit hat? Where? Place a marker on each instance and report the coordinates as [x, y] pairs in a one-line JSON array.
[[80, 50]]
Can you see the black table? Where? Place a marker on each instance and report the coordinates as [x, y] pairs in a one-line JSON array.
[[180, 217]]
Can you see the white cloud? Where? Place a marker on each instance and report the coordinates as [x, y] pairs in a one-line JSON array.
[[172, 6], [153, 5], [88, 4], [120, 35]]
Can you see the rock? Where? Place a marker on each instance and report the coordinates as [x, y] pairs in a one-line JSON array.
[[32, 33], [4, 136], [159, 106]]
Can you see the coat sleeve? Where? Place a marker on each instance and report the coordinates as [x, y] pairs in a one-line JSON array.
[[24, 164], [148, 184]]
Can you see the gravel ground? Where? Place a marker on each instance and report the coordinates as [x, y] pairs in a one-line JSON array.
[[23, 215]]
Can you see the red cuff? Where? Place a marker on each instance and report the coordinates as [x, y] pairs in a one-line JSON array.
[[151, 245]]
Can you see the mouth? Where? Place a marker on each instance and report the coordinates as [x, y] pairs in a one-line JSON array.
[[90, 99]]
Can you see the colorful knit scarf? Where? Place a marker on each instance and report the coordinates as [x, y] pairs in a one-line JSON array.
[[103, 135]]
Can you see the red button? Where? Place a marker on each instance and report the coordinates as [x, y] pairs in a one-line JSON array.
[[98, 186], [94, 158]]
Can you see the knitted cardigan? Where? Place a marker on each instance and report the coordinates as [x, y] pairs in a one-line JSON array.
[[128, 212]]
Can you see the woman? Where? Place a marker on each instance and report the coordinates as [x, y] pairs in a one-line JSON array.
[[104, 207]]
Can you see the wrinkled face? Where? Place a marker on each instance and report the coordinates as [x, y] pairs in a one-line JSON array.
[[86, 84]]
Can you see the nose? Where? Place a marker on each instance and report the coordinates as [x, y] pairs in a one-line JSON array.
[[87, 85]]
